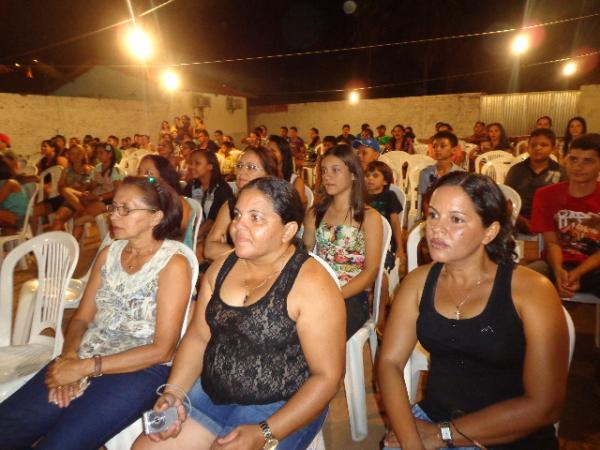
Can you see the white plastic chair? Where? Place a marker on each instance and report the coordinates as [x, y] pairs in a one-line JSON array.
[[420, 149], [125, 439], [497, 169], [585, 297], [139, 154], [25, 231], [28, 170], [233, 186], [401, 196], [514, 198], [55, 173], [488, 156], [412, 242], [198, 218], [354, 380], [129, 164], [396, 161], [310, 197], [56, 253], [414, 199], [102, 224]]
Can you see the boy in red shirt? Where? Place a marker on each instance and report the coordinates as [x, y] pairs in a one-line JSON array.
[[568, 216]]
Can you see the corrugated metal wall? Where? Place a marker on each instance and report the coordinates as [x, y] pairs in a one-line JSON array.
[[518, 112]]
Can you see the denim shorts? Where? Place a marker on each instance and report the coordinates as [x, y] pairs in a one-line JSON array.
[[221, 419], [418, 413]]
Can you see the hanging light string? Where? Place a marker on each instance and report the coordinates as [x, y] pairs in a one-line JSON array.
[[333, 50], [426, 80], [89, 33]]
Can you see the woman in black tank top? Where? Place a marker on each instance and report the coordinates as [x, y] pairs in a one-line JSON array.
[[496, 333], [265, 351]]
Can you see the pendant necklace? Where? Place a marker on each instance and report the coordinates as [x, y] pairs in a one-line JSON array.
[[130, 264], [458, 305], [262, 283]]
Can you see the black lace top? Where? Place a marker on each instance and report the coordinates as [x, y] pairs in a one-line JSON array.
[[254, 355]]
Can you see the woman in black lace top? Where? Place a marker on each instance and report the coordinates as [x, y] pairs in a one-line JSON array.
[[265, 351]]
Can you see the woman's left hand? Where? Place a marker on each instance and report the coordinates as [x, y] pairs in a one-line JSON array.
[[244, 437], [429, 434], [64, 371]]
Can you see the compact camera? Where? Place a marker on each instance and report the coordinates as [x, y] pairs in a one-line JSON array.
[[157, 421]]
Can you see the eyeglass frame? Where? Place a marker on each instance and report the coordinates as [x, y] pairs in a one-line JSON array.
[[110, 209], [248, 166]]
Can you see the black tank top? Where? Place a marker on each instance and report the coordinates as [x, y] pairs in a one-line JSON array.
[[254, 354], [475, 362]]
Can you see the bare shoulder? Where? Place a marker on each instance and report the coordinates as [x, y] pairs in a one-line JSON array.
[[372, 219], [415, 280], [531, 289], [213, 270]]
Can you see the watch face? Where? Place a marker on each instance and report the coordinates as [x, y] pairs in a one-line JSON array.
[[271, 444]]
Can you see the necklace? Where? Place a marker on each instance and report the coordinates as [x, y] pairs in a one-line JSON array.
[[458, 305], [130, 263], [263, 282]]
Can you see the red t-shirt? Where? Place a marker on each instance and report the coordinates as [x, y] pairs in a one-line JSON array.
[[575, 219]]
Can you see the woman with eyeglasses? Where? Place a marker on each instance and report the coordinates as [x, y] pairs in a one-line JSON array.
[[253, 163], [120, 342], [105, 180]]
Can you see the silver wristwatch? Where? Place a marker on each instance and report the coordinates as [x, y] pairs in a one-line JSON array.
[[270, 442], [446, 434]]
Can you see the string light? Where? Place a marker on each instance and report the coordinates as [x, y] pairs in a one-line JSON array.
[[569, 68], [520, 44], [170, 80], [139, 43], [354, 97]]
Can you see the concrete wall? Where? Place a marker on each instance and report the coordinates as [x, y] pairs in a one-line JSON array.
[[28, 119], [589, 106], [461, 110]]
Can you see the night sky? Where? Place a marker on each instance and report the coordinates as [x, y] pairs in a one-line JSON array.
[[200, 30]]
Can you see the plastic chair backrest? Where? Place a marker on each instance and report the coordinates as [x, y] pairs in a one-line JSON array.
[[193, 261], [327, 267], [488, 156], [514, 198], [310, 197], [28, 170], [139, 154], [129, 164], [233, 186], [54, 172], [421, 149], [387, 238], [56, 253], [401, 196], [412, 243], [413, 172], [198, 219], [396, 160], [497, 169]]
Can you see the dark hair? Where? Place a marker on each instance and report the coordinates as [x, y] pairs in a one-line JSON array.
[[357, 195], [165, 170], [503, 143], [84, 161], [381, 127], [287, 160], [112, 136], [491, 206], [113, 157], [443, 124], [219, 131], [157, 194], [589, 141], [315, 130], [345, 125], [284, 128], [5, 171], [479, 122], [190, 144], [215, 173], [282, 195], [446, 135], [43, 164], [385, 170], [331, 139], [294, 128], [364, 126], [568, 137], [267, 160], [392, 142], [546, 132], [203, 133], [548, 118], [368, 131], [61, 137]]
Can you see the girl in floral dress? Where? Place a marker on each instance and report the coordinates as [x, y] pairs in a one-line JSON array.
[[345, 232]]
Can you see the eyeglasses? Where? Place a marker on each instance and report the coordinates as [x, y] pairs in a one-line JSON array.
[[249, 166], [125, 210]]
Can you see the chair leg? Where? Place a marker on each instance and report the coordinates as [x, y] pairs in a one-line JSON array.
[[354, 382], [373, 344]]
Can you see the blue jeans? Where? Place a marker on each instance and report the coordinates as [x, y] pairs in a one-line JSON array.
[[221, 419], [110, 404], [418, 413]]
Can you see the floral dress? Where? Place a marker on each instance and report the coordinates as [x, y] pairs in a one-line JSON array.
[[343, 247]]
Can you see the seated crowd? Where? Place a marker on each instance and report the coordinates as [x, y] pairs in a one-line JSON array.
[[263, 353]]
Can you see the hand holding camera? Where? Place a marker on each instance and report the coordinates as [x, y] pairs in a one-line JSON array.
[[164, 421]]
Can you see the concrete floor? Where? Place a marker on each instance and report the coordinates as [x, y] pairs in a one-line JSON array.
[[579, 427]]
